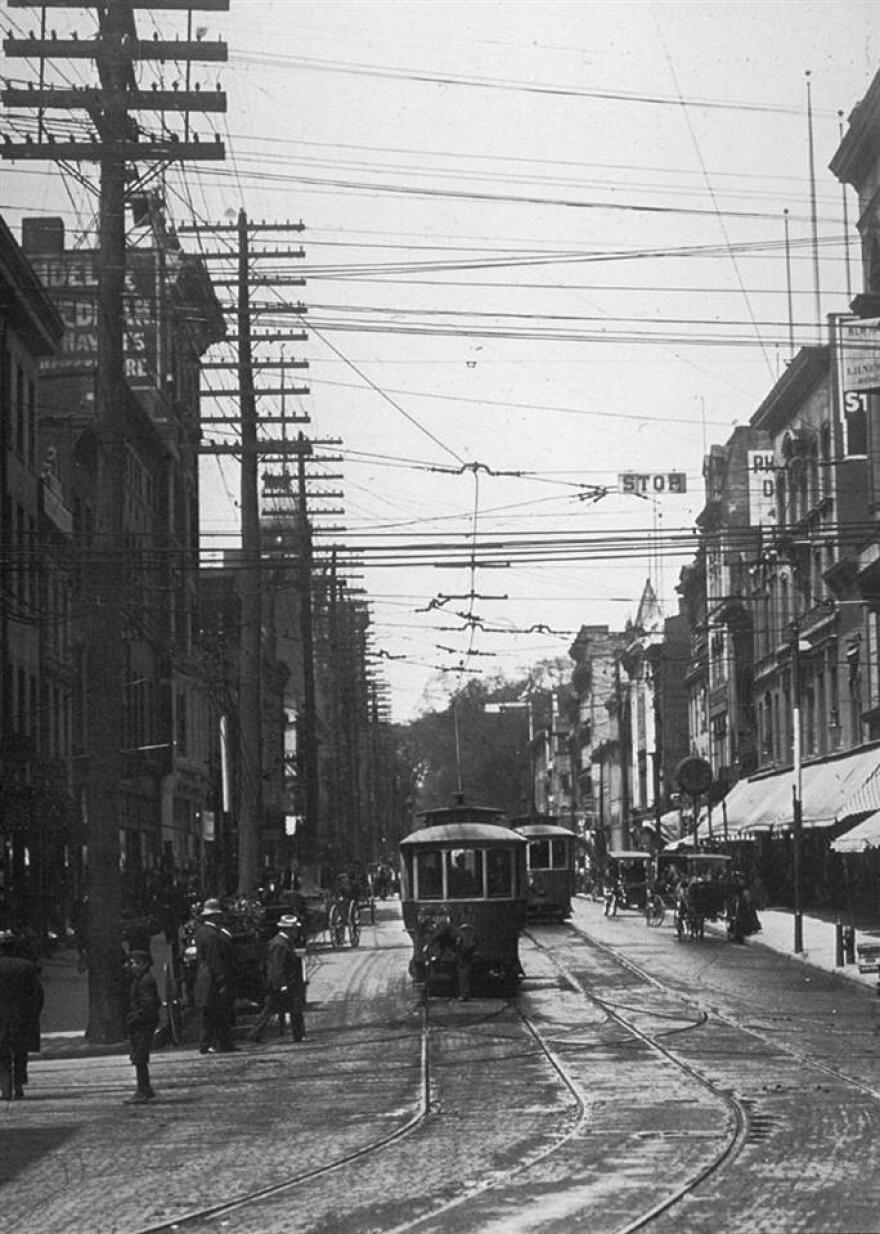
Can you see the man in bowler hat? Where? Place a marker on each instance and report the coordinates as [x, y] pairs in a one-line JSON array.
[[285, 993], [213, 985]]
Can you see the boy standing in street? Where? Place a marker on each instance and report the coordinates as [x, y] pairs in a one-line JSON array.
[[141, 1022]]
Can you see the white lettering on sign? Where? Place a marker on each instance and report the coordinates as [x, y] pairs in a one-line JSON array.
[[860, 354], [762, 487], [653, 482]]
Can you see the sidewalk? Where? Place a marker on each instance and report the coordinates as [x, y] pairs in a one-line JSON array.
[[66, 1008], [819, 942]]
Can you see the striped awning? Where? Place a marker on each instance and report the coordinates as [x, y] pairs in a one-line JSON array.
[[865, 799], [765, 803], [865, 835]]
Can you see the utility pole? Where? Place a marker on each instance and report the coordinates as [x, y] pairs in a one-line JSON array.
[[797, 833], [250, 694], [115, 49], [251, 449], [309, 731]]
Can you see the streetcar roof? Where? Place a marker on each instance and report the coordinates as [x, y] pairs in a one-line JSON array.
[[629, 854], [461, 814], [536, 830], [455, 835]]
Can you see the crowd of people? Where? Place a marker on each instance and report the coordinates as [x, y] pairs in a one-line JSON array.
[[209, 929]]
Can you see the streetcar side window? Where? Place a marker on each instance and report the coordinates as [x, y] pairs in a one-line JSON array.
[[499, 873], [464, 873], [539, 855], [429, 876]]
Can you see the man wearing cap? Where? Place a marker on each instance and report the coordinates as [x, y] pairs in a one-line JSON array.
[[141, 1021], [213, 984], [21, 1001], [285, 992]]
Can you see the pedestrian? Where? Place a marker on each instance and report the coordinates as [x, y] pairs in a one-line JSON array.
[[285, 987], [466, 948], [141, 1021], [21, 1001], [213, 984]]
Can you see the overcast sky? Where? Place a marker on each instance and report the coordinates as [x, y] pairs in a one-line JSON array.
[[541, 237]]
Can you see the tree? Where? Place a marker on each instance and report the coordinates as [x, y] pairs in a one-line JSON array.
[[461, 748]]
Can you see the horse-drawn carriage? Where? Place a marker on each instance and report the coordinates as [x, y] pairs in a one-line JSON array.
[[627, 880], [701, 887]]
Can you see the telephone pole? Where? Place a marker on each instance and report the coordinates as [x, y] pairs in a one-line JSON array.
[[116, 145]]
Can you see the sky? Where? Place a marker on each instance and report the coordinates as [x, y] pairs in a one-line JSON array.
[[544, 245]]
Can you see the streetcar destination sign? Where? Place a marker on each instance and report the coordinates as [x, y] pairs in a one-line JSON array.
[[653, 482]]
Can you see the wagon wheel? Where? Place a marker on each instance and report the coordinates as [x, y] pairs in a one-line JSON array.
[[655, 910], [354, 925], [336, 925]]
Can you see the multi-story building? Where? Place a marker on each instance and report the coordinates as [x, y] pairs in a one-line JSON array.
[[601, 740], [171, 317], [36, 668]]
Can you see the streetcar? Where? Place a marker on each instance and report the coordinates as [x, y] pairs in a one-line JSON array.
[[550, 864], [463, 890]]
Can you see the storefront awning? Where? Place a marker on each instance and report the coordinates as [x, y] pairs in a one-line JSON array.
[[767, 802], [864, 835], [866, 798]]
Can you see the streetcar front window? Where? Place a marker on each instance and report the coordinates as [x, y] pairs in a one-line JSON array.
[[429, 876], [559, 855], [539, 855], [499, 873], [464, 873]]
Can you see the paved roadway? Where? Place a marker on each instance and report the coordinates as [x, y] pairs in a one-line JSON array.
[[514, 1139]]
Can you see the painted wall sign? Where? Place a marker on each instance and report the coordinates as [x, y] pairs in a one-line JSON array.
[[860, 353], [762, 487]]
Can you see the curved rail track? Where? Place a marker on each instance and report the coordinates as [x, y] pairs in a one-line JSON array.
[[647, 1025]]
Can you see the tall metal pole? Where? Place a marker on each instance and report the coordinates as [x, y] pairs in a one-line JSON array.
[[250, 817], [796, 789], [788, 287], [814, 213]]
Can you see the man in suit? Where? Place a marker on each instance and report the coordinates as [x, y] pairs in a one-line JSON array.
[[285, 993], [213, 985], [21, 1001]]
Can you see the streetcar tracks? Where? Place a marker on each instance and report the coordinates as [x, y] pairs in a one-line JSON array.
[[259, 1195]]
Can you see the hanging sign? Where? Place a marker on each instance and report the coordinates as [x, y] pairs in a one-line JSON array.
[[860, 354], [660, 482]]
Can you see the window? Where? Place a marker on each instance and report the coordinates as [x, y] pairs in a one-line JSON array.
[[182, 727], [429, 876], [464, 873], [499, 873], [559, 854], [539, 855]]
